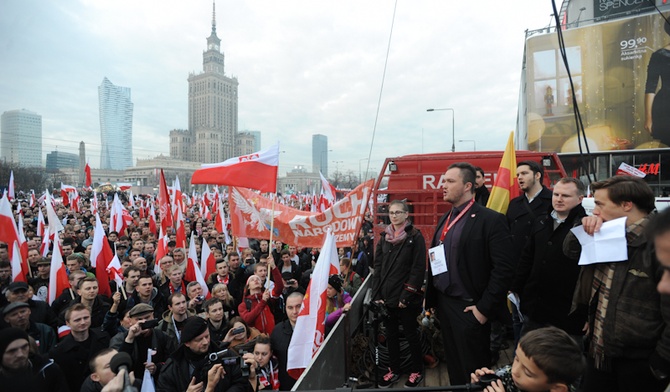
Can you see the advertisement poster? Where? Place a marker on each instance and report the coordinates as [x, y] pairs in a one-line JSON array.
[[621, 75]]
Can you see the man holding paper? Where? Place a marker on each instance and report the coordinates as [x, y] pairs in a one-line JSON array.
[[627, 329]]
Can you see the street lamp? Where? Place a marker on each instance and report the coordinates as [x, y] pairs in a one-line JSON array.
[[474, 143], [453, 126], [360, 179]]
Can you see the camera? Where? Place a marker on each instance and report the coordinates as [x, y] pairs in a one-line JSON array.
[[248, 261], [237, 330], [200, 298], [222, 358], [380, 311], [149, 324], [487, 379]]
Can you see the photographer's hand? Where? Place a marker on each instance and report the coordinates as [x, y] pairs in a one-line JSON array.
[[193, 387], [133, 332], [214, 375]]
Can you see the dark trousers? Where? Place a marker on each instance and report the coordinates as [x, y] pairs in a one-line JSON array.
[[407, 318], [466, 341], [624, 375]]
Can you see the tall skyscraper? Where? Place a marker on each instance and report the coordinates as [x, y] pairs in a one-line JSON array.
[[116, 126], [320, 154], [212, 105], [21, 137]]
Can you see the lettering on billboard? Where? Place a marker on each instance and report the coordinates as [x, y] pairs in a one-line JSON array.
[[611, 7]]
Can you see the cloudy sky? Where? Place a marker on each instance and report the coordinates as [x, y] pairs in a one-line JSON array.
[[304, 67]]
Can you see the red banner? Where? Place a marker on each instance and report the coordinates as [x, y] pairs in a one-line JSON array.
[[251, 216]]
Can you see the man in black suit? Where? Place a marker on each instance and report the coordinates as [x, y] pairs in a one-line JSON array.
[[476, 248]]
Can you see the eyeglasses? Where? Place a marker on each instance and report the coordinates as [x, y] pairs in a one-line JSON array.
[[394, 213]]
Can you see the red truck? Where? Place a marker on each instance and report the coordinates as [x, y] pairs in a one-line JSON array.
[[418, 180]]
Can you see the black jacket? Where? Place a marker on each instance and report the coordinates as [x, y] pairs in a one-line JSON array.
[[520, 217], [159, 341], [176, 374], [279, 341], [485, 261], [400, 269], [545, 278], [44, 375], [73, 358]]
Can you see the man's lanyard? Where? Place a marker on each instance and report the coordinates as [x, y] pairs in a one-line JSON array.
[[176, 330], [450, 223]]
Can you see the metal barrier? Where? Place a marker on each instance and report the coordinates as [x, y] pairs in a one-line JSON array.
[[329, 367]]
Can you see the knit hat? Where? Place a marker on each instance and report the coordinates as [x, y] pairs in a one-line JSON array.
[[9, 335], [336, 282], [193, 326]]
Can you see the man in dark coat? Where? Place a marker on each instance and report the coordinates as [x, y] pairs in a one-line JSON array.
[[17, 315], [477, 248], [40, 312], [281, 338], [545, 278], [21, 371], [75, 351], [189, 365]]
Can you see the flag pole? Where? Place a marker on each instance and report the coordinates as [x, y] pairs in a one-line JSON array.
[[272, 222]]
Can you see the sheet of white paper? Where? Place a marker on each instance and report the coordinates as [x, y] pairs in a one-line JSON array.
[[606, 246], [438, 264]]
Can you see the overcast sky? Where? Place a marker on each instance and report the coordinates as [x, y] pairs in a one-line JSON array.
[[303, 67]]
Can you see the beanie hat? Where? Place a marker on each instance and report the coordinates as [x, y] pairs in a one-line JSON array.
[[336, 282], [193, 326], [8, 335]]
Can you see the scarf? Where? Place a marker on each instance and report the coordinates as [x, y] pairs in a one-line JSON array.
[[396, 236], [269, 375]]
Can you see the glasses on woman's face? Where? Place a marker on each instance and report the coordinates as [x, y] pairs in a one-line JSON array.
[[396, 213]]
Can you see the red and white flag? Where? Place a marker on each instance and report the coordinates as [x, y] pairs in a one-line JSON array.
[[161, 250], [8, 232], [101, 255], [119, 218], [164, 204], [58, 276], [33, 200], [309, 332], [23, 247], [123, 186], [220, 223], [17, 264], [46, 241], [114, 271], [207, 261], [180, 238], [193, 273], [328, 194], [40, 222], [55, 225], [11, 191], [152, 220], [256, 171]]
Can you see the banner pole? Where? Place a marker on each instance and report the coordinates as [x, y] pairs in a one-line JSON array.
[[272, 223]]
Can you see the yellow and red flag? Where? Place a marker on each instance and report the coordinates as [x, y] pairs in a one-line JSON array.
[[505, 187]]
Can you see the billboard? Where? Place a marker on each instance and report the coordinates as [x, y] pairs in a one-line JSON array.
[[621, 75]]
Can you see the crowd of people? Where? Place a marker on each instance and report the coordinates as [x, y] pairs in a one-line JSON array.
[[596, 327], [162, 321]]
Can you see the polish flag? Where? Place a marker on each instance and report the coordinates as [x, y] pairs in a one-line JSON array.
[[66, 191], [152, 220], [87, 170], [206, 214], [23, 247], [256, 171], [32, 199], [40, 222], [119, 218], [131, 200], [181, 231], [55, 224], [58, 277], [101, 255], [221, 224], [8, 232], [309, 332], [94, 203], [11, 191], [207, 261], [161, 250], [114, 270], [193, 272], [164, 204], [328, 194], [123, 186], [18, 274], [44, 247], [63, 331]]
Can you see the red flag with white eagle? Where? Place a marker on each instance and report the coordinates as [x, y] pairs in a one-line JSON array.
[[101, 255], [310, 327], [256, 171], [58, 276], [193, 273]]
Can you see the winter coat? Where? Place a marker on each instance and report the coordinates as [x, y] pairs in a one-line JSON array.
[[74, 363], [43, 375]]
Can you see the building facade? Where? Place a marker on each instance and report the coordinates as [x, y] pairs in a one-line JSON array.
[[57, 160], [181, 144], [21, 137], [116, 126], [212, 106], [320, 154], [244, 144]]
